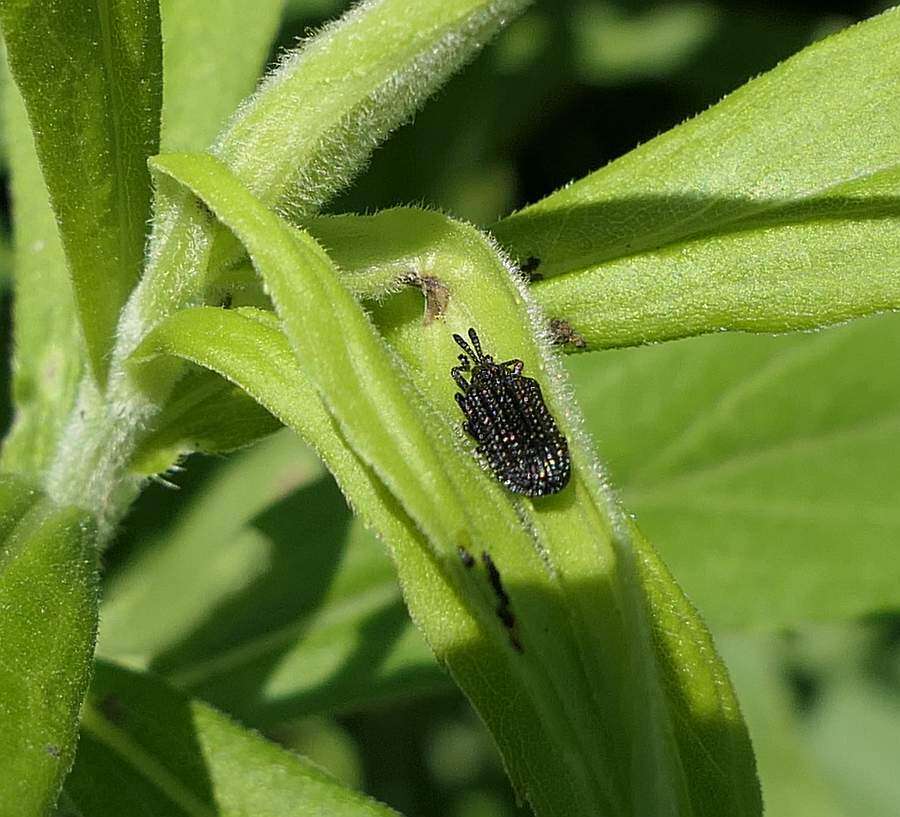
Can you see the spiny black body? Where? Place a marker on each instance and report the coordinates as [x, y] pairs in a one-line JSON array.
[[506, 416]]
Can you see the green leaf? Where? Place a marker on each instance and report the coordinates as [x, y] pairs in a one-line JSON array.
[[47, 356], [759, 465], [775, 210], [583, 631], [147, 749], [204, 413], [213, 53], [48, 619], [853, 734], [378, 79], [214, 602], [90, 74], [314, 122], [794, 783], [183, 574], [17, 495]]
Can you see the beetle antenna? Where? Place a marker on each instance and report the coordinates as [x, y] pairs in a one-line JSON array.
[[465, 346], [473, 336]]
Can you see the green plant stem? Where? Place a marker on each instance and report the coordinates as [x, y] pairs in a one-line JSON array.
[[622, 689], [374, 66]]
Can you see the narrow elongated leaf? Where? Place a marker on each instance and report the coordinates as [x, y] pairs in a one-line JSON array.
[[311, 124], [213, 52], [776, 209], [547, 663], [48, 619], [90, 74], [262, 362], [712, 442], [267, 600], [354, 83], [204, 413], [147, 749], [47, 344], [760, 465]]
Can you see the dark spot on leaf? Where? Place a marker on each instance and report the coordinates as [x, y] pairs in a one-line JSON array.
[[467, 558], [505, 615], [529, 268], [112, 708], [53, 750], [494, 578], [503, 609]]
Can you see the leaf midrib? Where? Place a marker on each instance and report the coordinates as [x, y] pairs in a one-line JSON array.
[[316, 620], [750, 218], [889, 421], [143, 762]]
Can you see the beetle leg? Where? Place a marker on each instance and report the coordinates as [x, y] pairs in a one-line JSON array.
[[457, 374], [514, 364]]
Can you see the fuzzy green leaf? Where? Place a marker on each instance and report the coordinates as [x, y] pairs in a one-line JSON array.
[[360, 78], [584, 630], [148, 749], [47, 348], [213, 52], [311, 124], [777, 209], [759, 464], [203, 413], [48, 620], [248, 348], [717, 460], [90, 74], [17, 495]]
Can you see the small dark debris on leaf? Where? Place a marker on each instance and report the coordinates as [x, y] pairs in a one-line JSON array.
[[467, 558], [506, 616], [529, 268], [503, 609], [437, 296], [494, 578], [112, 708], [564, 335], [204, 210], [53, 750]]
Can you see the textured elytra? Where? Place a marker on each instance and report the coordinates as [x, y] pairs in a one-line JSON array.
[[506, 415]]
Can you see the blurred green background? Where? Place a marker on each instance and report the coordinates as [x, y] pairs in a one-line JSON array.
[[567, 88]]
